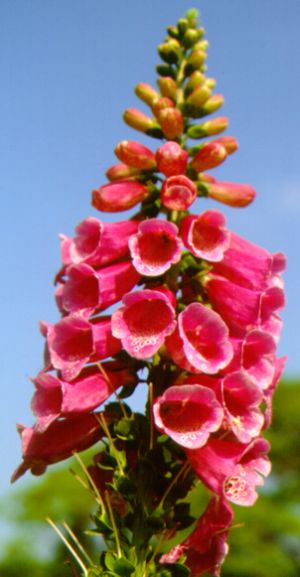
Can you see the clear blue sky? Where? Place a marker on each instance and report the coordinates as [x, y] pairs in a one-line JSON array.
[[68, 68]]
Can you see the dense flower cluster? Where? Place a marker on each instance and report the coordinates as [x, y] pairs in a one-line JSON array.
[[188, 295]]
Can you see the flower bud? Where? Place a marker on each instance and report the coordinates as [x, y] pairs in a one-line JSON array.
[[211, 155], [169, 51], [168, 87], [178, 192], [229, 142], [161, 103], [173, 31], [171, 159], [210, 82], [146, 93], [199, 96], [166, 70], [135, 155], [191, 36], [208, 128], [138, 120], [171, 122], [196, 79], [183, 25], [230, 193], [119, 195], [195, 61], [121, 171], [212, 104]]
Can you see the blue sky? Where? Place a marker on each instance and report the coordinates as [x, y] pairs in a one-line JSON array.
[[68, 68]]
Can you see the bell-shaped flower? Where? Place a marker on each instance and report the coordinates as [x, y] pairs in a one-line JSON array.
[[74, 341], [171, 159], [57, 443], [188, 414], [155, 247], [119, 195], [178, 192], [241, 400], [87, 290], [205, 236], [97, 243], [206, 548], [144, 321], [232, 470], [55, 398], [200, 342]]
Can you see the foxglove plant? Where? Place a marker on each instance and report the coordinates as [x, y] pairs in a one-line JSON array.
[[194, 319]]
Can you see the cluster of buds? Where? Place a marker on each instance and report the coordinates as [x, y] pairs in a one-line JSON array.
[[177, 301]]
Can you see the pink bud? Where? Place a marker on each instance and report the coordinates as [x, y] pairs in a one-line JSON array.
[[171, 159], [121, 171], [118, 196], [178, 192], [232, 194], [171, 122], [160, 104], [229, 142], [209, 156], [135, 155]]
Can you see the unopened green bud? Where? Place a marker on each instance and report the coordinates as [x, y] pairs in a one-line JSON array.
[[195, 61], [182, 25], [146, 93], [173, 31], [202, 45], [168, 87], [169, 51], [195, 80], [212, 104], [192, 16], [208, 128], [191, 36], [165, 70], [138, 120], [199, 96], [210, 82]]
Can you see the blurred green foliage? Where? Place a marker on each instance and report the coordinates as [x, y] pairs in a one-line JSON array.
[[265, 541]]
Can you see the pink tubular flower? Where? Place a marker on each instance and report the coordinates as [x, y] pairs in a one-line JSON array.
[[246, 264], [87, 290], [241, 400], [206, 548], [209, 156], [144, 321], [119, 195], [55, 398], [232, 469], [200, 343], [136, 155], [74, 341], [171, 159], [188, 414], [97, 243], [232, 194], [241, 308], [155, 247], [205, 236], [57, 443], [178, 192]]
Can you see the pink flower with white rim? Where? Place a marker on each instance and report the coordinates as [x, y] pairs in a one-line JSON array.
[[97, 243], [171, 159], [155, 247], [232, 470], [188, 414], [74, 341], [87, 290], [178, 192], [201, 342], [205, 236], [144, 321], [241, 400]]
